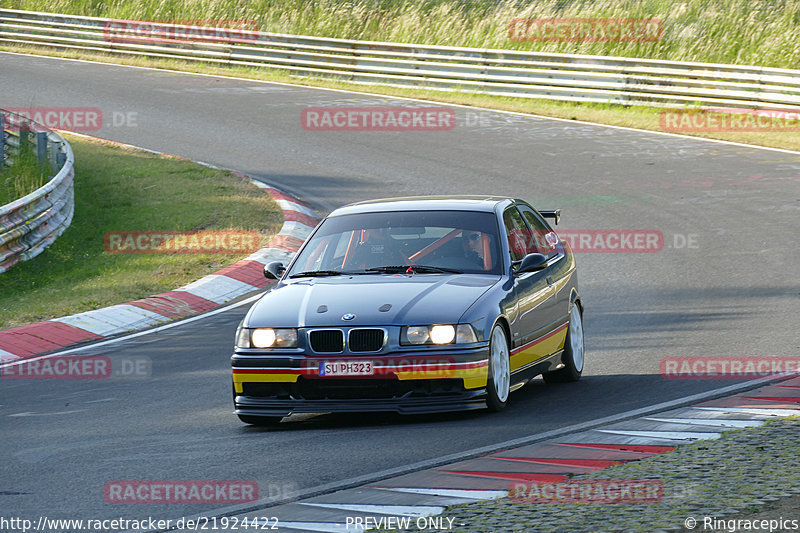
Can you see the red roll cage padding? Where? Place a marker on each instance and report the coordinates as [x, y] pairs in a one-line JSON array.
[[434, 245], [516, 241], [315, 255], [348, 253], [487, 253]]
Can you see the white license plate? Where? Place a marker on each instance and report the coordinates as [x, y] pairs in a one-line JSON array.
[[346, 368]]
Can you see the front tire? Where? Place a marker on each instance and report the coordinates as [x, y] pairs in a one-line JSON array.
[[499, 380], [573, 354]]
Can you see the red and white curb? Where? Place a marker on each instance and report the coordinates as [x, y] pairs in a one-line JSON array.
[[419, 498], [204, 294]]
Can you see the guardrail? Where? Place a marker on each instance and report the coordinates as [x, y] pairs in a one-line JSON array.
[[30, 224], [620, 80]]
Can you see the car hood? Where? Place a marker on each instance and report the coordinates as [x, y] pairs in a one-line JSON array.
[[374, 300]]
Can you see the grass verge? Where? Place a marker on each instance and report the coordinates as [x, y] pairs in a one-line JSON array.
[[123, 189], [641, 117], [749, 32], [22, 177]]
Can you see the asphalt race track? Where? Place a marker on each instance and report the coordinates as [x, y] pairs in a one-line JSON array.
[[733, 293]]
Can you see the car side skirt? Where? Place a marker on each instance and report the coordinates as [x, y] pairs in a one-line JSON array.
[[539, 348]]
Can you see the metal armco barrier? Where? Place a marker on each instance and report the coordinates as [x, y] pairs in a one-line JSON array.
[[32, 223], [619, 80]]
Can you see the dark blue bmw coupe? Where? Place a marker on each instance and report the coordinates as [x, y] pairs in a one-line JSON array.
[[423, 304]]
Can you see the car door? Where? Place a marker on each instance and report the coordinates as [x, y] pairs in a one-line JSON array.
[[532, 293], [556, 309]]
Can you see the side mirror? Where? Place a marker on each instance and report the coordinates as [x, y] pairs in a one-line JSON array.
[[274, 270], [532, 263]]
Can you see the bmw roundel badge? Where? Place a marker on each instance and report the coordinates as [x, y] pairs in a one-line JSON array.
[[348, 316]]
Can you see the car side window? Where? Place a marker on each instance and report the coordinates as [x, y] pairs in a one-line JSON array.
[[543, 239], [517, 232]]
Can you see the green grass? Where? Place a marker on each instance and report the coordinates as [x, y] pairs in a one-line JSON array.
[[122, 189], [756, 32], [22, 177]]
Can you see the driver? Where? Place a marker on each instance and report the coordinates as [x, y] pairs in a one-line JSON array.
[[472, 244]]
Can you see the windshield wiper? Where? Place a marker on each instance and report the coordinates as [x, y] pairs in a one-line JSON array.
[[420, 269], [314, 273]]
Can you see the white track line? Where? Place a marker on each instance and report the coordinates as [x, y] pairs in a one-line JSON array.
[[463, 494], [415, 511], [662, 435], [718, 422], [766, 412]]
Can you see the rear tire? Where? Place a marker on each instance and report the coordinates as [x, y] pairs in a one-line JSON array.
[[261, 421], [573, 354], [498, 384]]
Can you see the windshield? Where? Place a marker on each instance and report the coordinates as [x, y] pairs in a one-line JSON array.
[[426, 241]]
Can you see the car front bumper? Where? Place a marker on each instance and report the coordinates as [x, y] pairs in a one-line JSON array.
[[425, 381]]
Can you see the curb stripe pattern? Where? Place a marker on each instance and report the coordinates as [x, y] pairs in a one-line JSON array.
[[424, 492], [175, 304], [202, 295]]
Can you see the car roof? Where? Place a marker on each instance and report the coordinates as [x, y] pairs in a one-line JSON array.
[[425, 203]]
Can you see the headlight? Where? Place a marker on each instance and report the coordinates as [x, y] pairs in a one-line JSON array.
[[443, 334], [415, 335], [438, 334], [266, 338]]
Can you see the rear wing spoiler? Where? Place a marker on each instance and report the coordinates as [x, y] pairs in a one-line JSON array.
[[554, 214]]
